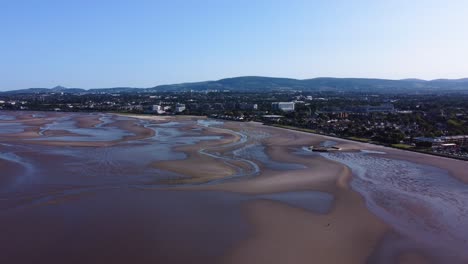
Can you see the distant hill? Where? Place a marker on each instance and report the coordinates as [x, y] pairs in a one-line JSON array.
[[61, 89], [267, 84], [56, 89]]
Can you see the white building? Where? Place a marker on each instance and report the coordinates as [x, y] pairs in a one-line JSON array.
[[283, 106], [179, 108], [158, 109]]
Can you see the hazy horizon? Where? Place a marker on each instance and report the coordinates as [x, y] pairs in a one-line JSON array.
[[214, 80], [147, 43]]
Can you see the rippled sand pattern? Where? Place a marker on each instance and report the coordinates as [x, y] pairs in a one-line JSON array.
[[105, 188], [422, 202]]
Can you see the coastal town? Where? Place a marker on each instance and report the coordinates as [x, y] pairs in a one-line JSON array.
[[434, 123]]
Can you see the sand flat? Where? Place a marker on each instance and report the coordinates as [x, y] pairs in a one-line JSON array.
[[176, 189]]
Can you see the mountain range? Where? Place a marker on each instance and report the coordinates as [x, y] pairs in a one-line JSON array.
[[268, 84]]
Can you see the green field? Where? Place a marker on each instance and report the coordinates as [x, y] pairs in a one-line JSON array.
[[360, 139], [402, 146]]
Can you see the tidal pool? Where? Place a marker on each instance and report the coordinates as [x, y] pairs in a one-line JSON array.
[[101, 132], [11, 128], [7, 117], [258, 152]]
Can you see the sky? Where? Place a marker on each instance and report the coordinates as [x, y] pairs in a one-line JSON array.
[[143, 43]]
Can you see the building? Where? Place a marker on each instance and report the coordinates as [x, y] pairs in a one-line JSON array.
[[158, 109], [444, 141], [283, 106], [248, 106], [272, 118], [179, 108], [461, 140], [427, 142]]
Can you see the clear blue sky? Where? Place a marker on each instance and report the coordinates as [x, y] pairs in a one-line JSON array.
[[142, 43]]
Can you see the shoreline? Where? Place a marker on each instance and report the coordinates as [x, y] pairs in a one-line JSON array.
[[305, 130], [403, 154]]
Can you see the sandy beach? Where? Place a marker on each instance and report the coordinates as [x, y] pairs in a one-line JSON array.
[[179, 189]]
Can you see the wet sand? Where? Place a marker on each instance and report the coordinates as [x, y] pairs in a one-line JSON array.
[[10, 170], [145, 189], [88, 121]]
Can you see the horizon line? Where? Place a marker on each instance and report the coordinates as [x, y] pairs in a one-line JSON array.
[[242, 76]]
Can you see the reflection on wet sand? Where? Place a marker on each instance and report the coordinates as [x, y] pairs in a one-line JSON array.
[[190, 189], [427, 206]]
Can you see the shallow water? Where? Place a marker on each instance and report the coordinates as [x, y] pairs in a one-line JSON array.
[[170, 124], [328, 143], [24, 176], [424, 204], [11, 128], [101, 132], [7, 117], [258, 152], [127, 162], [121, 225], [209, 122], [105, 120], [64, 189]]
